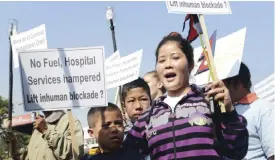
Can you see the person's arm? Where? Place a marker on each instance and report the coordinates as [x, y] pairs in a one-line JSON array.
[[61, 143], [233, 126], [265, 130], [136, 138], [235, 135]]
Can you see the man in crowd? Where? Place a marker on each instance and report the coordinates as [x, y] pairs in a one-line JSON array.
[[156, 86], [51, 138], [258, 112]]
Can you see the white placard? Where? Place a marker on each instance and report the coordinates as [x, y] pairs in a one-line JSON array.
[[198, 7], [265, 88], [227, 59], [123, 70], [31, 39], [63, 78], [112, 57]]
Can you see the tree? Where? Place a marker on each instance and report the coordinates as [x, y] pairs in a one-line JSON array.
[[3, 108], [22, 138], [3, 115]]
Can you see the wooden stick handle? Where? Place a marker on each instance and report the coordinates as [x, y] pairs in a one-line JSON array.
[[75, 148], [210, 59]]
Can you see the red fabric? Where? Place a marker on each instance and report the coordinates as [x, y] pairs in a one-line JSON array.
[[204, 66], [194, 27], [248, 99]]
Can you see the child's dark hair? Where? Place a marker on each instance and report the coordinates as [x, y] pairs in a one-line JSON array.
[[183, 43], [93, 112], [154, 73], [138, 83], [244, 77]]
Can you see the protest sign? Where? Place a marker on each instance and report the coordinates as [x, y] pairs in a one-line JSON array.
[[31, 39], [198, 7], [228, 57], [123, 70], [112, 57], [23, 119], [265, 88], [63, 78]]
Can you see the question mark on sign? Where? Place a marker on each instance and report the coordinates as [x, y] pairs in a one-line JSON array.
[[101, 92], [225, 4]]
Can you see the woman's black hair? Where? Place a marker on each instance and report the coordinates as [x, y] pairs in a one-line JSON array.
[[183, 43]]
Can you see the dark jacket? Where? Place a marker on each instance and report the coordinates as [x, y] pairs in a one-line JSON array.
[[121, 154]]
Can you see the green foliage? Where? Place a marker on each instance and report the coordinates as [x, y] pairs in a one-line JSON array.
[[3, 108], [22, 138]]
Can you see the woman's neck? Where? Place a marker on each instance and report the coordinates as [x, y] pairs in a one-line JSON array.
[[159, 94], [179, 92]]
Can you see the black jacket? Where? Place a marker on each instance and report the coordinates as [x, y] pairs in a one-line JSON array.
[[120, 154]]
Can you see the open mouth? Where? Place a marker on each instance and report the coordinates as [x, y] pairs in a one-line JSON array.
[[170, 76]]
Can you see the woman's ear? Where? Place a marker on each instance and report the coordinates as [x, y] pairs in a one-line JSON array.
[[160, 85]]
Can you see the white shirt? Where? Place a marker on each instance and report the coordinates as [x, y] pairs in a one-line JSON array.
[[173, 101], [260, 125]]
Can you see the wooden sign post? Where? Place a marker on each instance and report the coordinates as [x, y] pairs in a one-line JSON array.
[[75, 149], [209, 56]]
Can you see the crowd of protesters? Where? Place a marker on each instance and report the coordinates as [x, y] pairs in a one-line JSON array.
[[162, 116]]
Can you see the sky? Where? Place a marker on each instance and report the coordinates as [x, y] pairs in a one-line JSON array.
[[138, 25]]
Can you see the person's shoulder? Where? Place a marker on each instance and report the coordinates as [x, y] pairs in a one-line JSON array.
[[86, 157], [92, 157], [144, 115], [156, 104], [265, 102], [262, 106], [131, 154], [65, 119]]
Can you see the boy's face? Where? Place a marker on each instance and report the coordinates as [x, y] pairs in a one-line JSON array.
[[109, 133], [136, 101], [154, 85], [234, 90]]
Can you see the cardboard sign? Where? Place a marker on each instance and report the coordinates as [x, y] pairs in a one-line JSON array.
[[23, 119], [31, 39], [112, 57], [63, 78], [123, 70], [228, 57], [265, 88], [198, 7]]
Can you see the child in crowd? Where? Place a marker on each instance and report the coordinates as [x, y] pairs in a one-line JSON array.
[[135, 99], [156, 87], [106, 125]]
